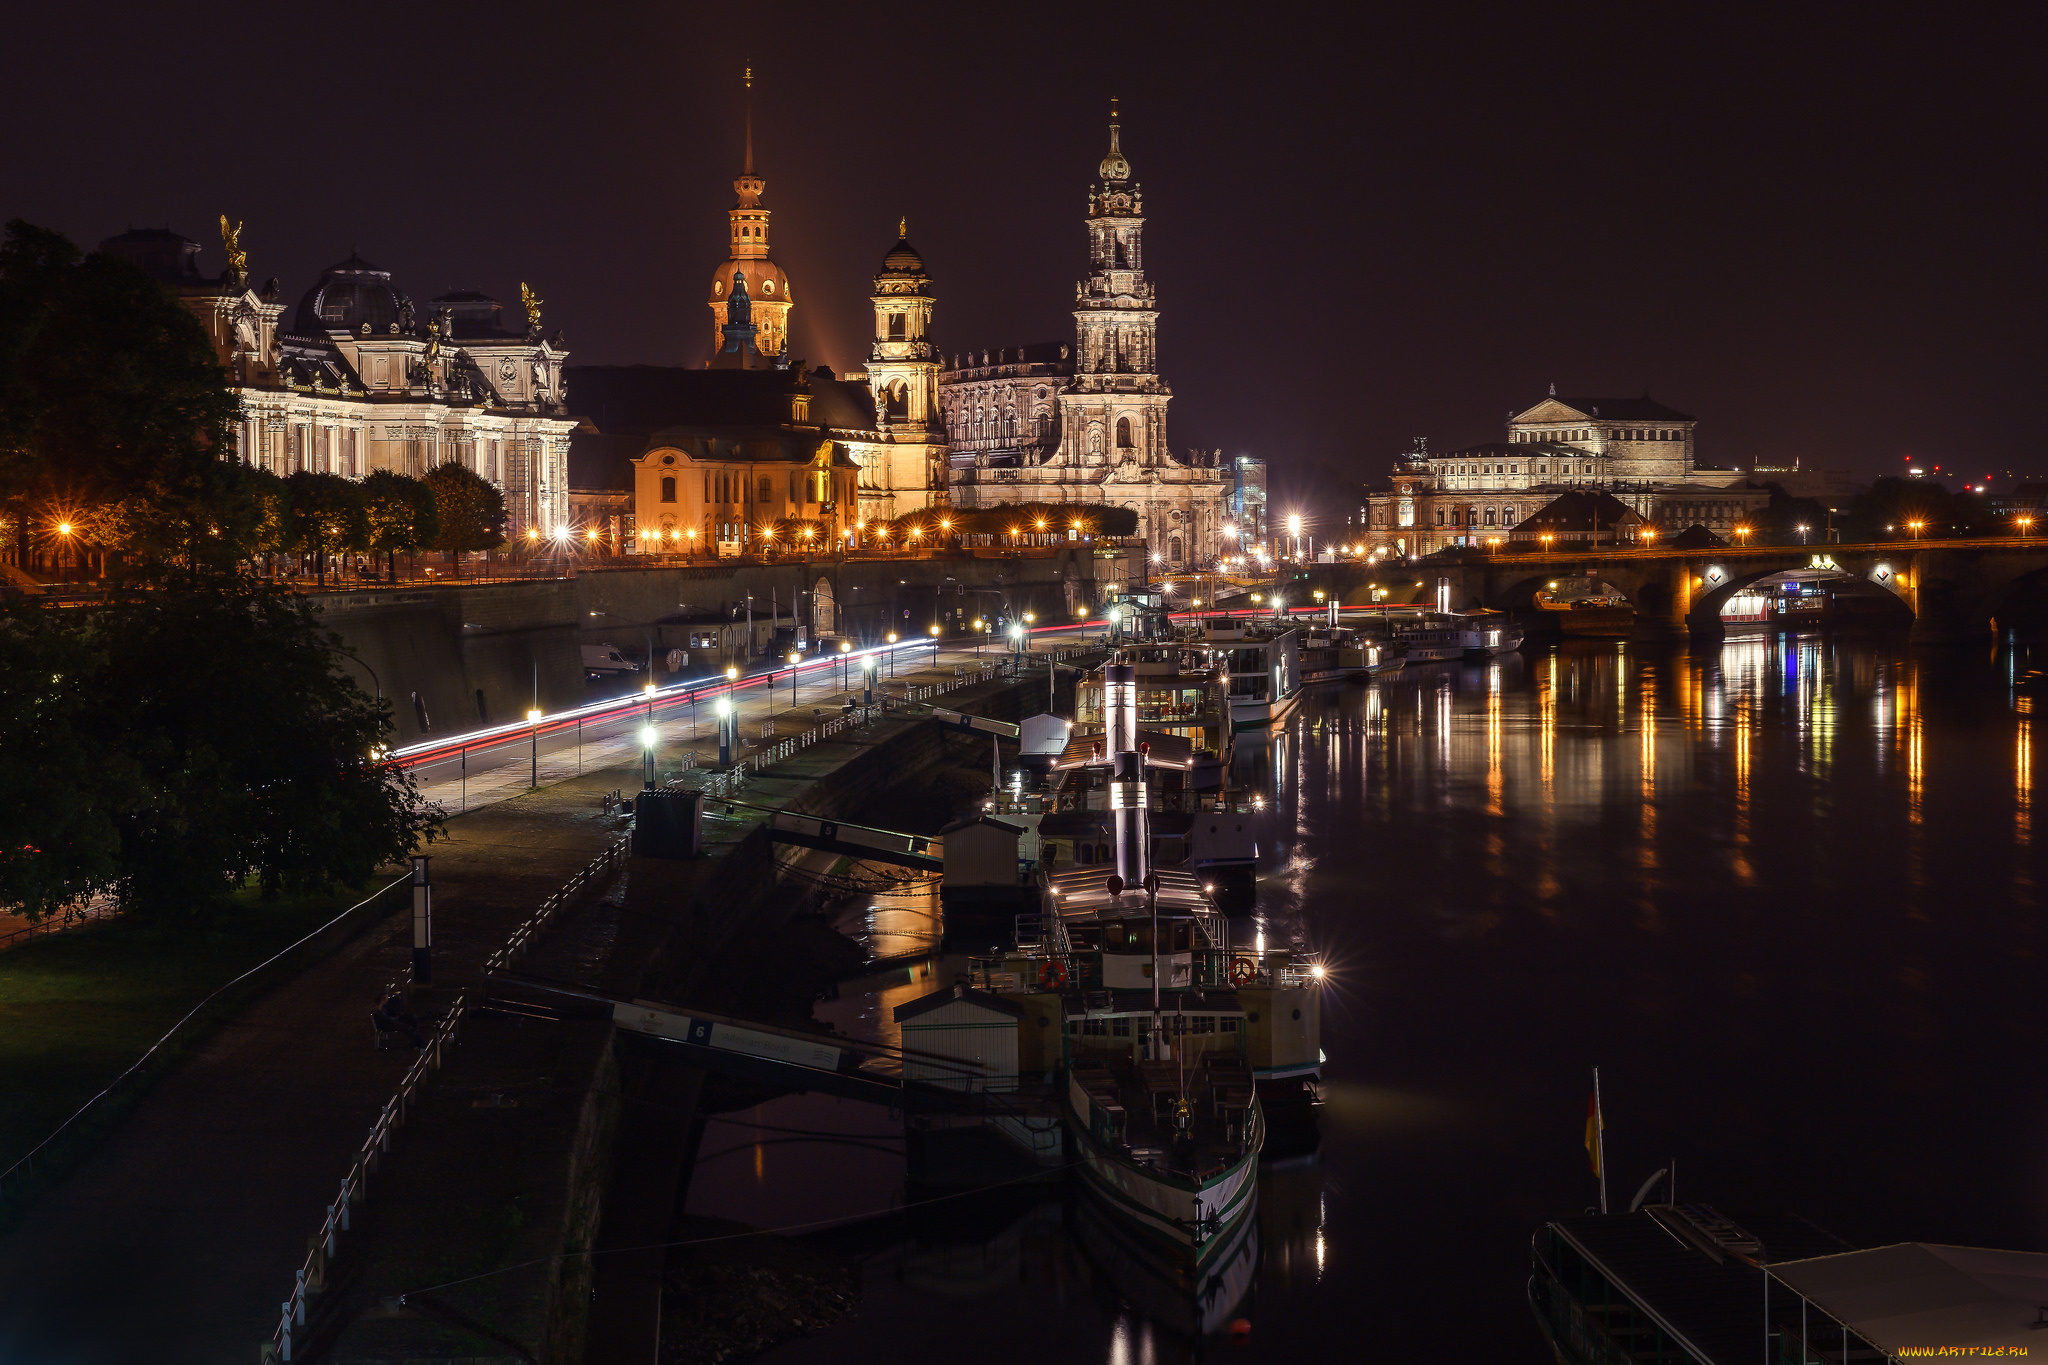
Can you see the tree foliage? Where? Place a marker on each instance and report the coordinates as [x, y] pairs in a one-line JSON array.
[[187, 741], [325, 514], [113, 406], [1887, 509], [470, 510], [399, 513]]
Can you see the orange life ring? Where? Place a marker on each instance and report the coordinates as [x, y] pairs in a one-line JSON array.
[[1243, 971], [1053, 974]]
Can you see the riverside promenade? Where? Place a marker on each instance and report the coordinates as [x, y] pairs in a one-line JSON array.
[[177, 1237]]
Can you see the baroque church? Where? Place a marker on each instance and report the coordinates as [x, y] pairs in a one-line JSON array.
[[358, 378], [1086, 422]]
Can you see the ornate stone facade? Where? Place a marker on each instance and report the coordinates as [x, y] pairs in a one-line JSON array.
[[1636, 449], [906, 470], [357, 379], [1087, 424]]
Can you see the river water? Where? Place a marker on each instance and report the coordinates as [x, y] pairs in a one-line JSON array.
[[1784, 893]]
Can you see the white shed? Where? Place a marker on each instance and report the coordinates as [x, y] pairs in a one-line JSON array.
[[1042, 737], [965, 1026]]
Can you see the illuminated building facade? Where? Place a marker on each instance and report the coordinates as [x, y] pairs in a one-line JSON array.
[[904, 469], [1087, 423], [747, 268], [1635, 449], [356, 378]]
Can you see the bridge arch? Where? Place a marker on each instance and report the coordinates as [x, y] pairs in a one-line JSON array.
[[1715, 584]]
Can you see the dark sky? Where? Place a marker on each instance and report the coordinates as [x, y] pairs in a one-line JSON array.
[[1817, 229]]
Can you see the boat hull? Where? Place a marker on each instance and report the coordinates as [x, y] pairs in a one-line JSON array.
[[1191, 1220], [1257, 715]]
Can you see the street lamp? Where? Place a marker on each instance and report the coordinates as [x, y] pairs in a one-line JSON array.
[[726, 725], [845, 648], [533, 729], [794, 658], [892, 654], [2023, 523], [1742, 533], [1803, 528], [1914, 526], [647, 738]]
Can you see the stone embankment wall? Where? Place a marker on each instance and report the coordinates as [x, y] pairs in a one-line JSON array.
[[455, 658]]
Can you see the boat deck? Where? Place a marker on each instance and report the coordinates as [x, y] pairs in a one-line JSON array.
[[1134, 1105]]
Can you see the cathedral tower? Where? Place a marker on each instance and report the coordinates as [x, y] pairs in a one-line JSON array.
[[903, 371], [1115, 411], [766, 284]]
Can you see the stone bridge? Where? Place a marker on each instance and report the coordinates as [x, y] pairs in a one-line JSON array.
[[1955, 591]]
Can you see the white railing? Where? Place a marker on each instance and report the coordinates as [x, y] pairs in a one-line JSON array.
[[312, 1274]]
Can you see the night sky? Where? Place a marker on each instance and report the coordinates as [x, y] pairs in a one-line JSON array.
[[1816, 230]]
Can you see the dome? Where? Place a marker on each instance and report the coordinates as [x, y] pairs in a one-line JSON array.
[[902, 262], [350, 295], [765, 281], [1114, 168]]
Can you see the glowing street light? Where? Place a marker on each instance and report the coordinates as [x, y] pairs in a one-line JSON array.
[[533, 728], [1742, 533], [2023, 523], [1914, 526], [647, 738]]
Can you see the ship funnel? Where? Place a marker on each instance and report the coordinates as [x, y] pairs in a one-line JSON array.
[[1127, 773]]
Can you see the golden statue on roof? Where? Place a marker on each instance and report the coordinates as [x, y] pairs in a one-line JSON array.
[[532, 302], [231, 238]]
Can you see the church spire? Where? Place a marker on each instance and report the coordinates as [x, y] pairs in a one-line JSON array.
[[747, 81], [1114, 168]]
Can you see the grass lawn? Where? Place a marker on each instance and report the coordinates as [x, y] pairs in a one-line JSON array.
[[77, 1008]]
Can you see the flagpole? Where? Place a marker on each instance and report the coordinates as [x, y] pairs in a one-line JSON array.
[[1600, 1137]]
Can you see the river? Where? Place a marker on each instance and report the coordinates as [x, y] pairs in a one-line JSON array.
[[1784, 893]]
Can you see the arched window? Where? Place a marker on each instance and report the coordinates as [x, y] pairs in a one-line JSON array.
[[1123, 433], [668, 488], [1174, 549]]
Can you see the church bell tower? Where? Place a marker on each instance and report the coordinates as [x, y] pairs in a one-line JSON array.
[[903, 371], [1115, 411], [766, 284]]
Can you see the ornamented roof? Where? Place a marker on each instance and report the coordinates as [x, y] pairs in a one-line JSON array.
[[1114, 168], [351, 294]]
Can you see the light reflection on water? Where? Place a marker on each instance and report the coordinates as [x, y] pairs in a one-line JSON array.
[[1780, 891]]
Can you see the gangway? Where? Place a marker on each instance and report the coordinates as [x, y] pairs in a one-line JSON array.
[[925, 853], [960, 720], [791, 1059]]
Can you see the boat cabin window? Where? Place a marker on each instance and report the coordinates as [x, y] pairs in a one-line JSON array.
[[1135, 936]]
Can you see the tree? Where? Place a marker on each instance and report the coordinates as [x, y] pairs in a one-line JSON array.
[[1890, 506], [400, 515], [471, 512], [325, 517], [1779, 523], [113, 406], [187, 741]]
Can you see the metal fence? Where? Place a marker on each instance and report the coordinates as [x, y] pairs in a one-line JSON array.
[[312, 1273], [734, 779], [57, 924]]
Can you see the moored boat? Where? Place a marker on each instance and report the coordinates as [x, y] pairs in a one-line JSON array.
[[1166, 1034]]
